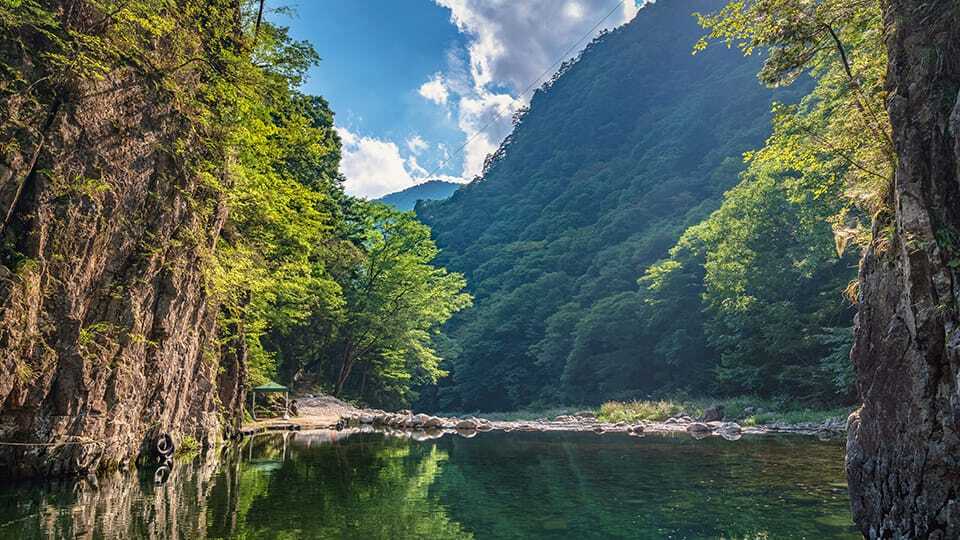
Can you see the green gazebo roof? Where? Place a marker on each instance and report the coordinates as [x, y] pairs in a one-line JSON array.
[[270, 387]]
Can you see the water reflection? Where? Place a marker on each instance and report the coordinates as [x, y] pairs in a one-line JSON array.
[[354, 484]]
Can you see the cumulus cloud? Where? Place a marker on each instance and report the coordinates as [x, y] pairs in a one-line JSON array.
[[512, 47], [372, 167], [376, 167], [435, 90]]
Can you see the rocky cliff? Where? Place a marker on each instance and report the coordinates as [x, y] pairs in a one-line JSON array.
[[904, 443], [107, 334]]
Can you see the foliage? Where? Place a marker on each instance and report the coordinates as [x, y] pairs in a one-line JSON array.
[[633, 411], [630, 146], [840, 132], [747, 410], [282, 246], [747, 301], [394, 303]]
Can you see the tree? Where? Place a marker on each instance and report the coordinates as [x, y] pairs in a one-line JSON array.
[[379, 341]]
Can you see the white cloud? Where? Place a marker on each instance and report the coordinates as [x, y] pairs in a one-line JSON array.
[[510, 45], [372, 167], [416, 144], [375, 167], [435, 90]]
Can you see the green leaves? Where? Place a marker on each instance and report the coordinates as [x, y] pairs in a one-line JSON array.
[[379, 344]]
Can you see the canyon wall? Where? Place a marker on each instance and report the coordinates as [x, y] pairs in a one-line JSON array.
[[903, 451], [107, 332]]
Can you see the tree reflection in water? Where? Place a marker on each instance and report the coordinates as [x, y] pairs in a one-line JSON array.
[[361, 485]]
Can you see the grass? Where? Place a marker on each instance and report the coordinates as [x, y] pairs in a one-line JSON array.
[[522, 414], [798, 416], [763, 411], [635, 411]]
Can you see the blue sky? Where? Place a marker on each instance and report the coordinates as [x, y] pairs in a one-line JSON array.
[[411, 81]]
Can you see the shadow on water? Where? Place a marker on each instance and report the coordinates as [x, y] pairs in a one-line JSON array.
[[498, 485]]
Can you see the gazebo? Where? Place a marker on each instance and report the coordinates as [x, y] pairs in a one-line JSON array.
[[269, 388]]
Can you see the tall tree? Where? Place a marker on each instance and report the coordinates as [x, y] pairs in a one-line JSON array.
[[378, 343]]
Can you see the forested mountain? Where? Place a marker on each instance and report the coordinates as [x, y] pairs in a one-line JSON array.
[[620, 154], [433, 190]]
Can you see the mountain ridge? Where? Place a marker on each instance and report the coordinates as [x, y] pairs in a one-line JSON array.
[[431, 190], [583, 196]]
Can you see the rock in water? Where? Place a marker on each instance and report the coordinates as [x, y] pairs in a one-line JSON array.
[[903, 443], [467, 424], [699, 430]]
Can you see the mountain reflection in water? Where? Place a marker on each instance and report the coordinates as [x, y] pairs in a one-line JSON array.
[[329, 484]]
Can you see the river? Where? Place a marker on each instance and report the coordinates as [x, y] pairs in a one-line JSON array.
[[355, 485]]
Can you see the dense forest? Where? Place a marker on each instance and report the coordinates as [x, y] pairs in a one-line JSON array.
[[607, 256]]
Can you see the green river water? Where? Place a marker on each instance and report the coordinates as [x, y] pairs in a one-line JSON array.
[[494, 485]]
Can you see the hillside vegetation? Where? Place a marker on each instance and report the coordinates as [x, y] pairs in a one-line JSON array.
[[619, 245]]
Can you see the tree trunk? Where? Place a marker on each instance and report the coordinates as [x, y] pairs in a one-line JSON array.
[[348, 360], [903, 448]]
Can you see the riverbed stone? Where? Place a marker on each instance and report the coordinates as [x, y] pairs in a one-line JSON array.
[[713, 414], [467, 423], [699, 427]]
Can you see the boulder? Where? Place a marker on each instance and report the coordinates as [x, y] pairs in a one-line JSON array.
[[366, 419], [467, 423], [699, 427], [713, 414], [731, 427]]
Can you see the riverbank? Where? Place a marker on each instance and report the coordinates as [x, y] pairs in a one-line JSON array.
[[635, 419]]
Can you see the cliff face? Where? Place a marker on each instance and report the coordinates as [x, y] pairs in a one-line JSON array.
[[904, 443], [107, 336]]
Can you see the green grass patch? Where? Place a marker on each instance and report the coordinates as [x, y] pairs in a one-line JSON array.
[[523, 414], [797, 416], [746, 410], [635, 411], [749, 411]]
